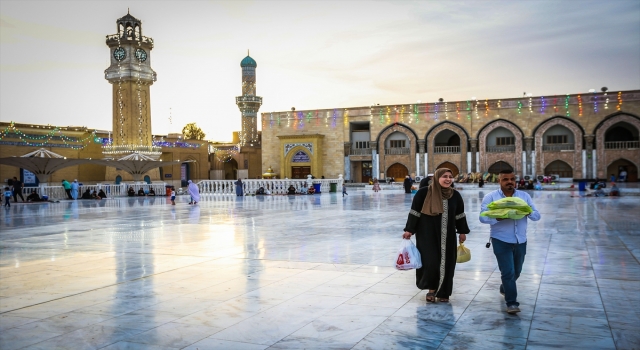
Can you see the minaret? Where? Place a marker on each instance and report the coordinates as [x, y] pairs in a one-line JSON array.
[[249, 103], [131, 75]]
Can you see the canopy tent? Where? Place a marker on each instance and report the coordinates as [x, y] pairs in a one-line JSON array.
[[42, 163]]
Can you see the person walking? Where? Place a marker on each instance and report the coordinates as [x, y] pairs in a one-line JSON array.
[[239, 188], [194, 192], [437, 212], [75, 189], [173, 195], [17, 190], [7, 197], [67, 188], [509, 237], [407, 184], [344, 190]]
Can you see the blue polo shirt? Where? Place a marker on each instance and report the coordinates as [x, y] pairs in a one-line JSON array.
[[508, 230]]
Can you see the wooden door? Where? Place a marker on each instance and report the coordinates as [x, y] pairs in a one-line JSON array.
[[300, 172]]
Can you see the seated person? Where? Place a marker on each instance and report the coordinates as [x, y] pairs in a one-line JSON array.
[[33, 197], [102, 194], [260, 191], [291, 190], [131, 192], [614, 192], [598, 191], [94, 195], [141, 192], [151, 192], [311, 190], [86, 194], [530, 185]]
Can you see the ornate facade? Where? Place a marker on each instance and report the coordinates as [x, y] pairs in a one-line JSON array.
[[578, 136]]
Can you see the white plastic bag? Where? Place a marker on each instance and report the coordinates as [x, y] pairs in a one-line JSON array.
[[408, 256]]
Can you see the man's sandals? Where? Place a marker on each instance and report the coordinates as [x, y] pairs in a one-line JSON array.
[[431, 298]]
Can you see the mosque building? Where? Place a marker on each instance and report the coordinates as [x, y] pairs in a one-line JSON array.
[[131, 77], [573, 136]]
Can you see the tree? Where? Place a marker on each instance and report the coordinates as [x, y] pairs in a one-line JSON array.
[[192, 132]]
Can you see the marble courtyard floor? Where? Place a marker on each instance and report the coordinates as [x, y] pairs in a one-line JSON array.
[[312, 272]]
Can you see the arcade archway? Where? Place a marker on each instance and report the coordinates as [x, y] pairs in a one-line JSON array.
[[450, 166], [618, 166], [497, 167], [398, 172], [560, 168]]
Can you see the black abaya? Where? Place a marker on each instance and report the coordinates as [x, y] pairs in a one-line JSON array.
[[437, 250]]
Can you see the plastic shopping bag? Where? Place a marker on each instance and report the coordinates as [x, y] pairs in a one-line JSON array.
[[464, 254], [408, 256]]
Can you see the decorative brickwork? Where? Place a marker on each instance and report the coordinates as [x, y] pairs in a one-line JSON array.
[[607, 156], [489, 158], [573, 158], [458, 159], [408, 160]]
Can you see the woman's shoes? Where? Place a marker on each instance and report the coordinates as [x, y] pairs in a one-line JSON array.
[[431, 297]]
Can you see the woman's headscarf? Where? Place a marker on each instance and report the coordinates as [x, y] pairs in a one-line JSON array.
[[433, 203]]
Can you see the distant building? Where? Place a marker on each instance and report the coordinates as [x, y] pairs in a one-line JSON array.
[[571, 136]]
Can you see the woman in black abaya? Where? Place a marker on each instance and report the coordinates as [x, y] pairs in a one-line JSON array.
[[437, 212]]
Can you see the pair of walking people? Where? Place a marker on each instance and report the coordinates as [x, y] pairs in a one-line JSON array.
[[437, 214]]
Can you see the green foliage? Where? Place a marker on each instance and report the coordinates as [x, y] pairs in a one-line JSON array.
[[191, 131]]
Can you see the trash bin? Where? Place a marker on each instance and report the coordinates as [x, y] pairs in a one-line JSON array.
[[167, 190], [582, 186], [333, 187], [317, 187]]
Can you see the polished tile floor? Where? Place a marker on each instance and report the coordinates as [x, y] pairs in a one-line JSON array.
[[306, 272]]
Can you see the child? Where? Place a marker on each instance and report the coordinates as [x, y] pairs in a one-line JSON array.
[[7, 197], [173, 195], [344, 190]]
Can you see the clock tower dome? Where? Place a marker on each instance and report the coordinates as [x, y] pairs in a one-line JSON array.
[[131, 76]]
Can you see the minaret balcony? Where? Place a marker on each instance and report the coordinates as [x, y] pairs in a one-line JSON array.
[[249, 99], [113, 38]]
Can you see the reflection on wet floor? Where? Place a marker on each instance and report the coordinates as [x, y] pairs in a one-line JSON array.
[[305, 272]]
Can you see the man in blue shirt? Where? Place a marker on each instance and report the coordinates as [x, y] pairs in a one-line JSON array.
[[509, 237]]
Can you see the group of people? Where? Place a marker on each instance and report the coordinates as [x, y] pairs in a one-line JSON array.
[[437, 215], [141, 193]]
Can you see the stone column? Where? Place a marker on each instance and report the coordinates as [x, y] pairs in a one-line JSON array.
[[421, 149], [591, 172], [374, 159], [347, 160], [528, 148], [474, 149]]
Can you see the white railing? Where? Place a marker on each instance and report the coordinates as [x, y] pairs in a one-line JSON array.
[[274, 186], [621, 144], [111, 190], [501, 149], [446, 149], [558, 147], [360, 152], [397, 150]]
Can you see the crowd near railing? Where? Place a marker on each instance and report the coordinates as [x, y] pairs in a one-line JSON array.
[[621, 144], [446, 149], [558, 147], [273, 186]]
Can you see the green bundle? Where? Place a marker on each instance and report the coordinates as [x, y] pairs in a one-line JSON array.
[[508, 208]]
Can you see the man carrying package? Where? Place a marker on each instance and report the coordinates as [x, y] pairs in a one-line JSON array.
[[508, 232]]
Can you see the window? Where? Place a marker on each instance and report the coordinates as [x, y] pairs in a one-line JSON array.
[[397, 143], [505, 141], [362, 144], [557, 139]]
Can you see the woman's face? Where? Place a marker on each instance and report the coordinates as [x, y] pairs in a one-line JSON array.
[[445, 180]]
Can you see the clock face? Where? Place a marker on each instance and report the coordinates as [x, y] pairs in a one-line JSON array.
[[119, 54], [141, 55]]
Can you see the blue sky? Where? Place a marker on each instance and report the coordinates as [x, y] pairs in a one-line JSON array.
[[310, 55]]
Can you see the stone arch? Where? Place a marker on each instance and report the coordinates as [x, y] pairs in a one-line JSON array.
[[563, 173], [496, 167], [450, 165], [573, 158], [459, 159], [404, 158], [632, 174], [601, 129], [313, 164], [400, 176], [487, 159]]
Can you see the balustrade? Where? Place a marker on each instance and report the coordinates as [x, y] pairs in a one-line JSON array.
[[446, 149], [397, 150], [111, 190], [360, 152], [558, 147], [274, 186], [621, 144], [501, 149]]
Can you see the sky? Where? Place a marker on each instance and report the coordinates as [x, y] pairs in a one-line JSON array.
[[310, 55]]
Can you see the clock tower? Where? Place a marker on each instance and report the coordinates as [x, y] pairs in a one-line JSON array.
[[131, 76]]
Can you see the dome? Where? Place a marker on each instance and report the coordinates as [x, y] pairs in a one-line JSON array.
[[248, 62]]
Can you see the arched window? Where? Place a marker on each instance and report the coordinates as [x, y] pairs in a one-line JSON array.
[[497, 167], [118, 179], [446, 141], [147, 179], [560, 168]]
